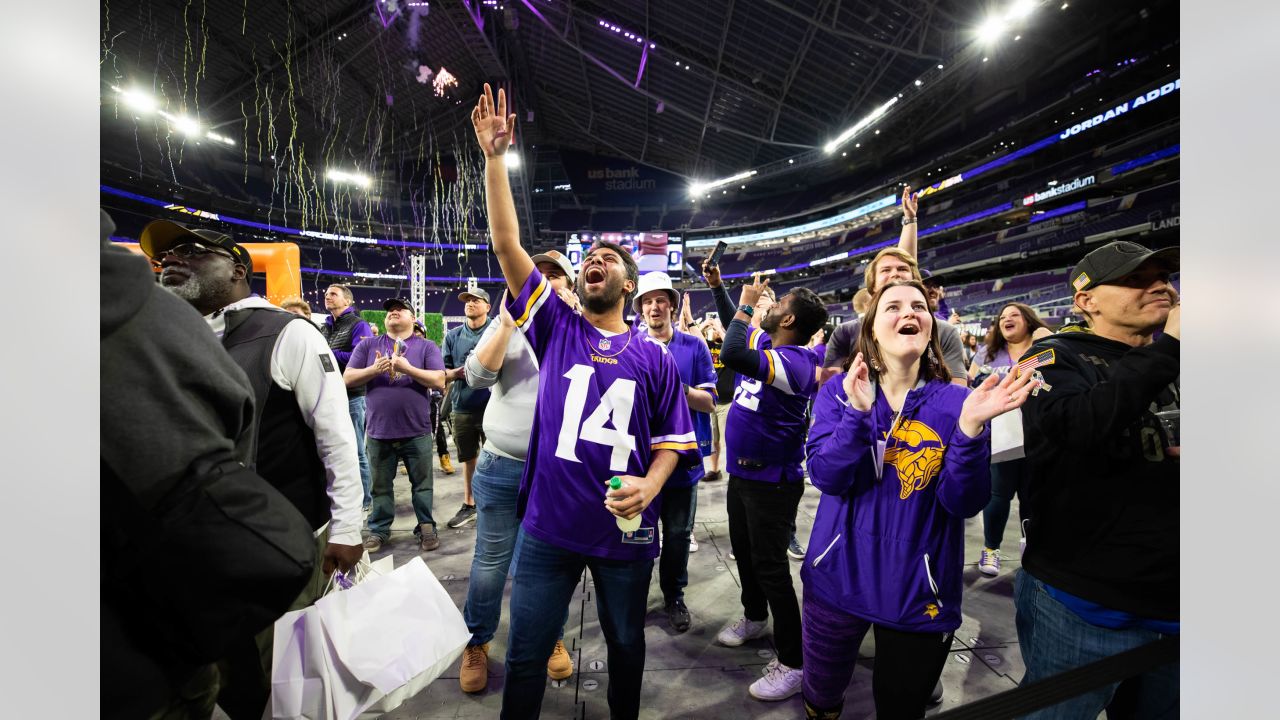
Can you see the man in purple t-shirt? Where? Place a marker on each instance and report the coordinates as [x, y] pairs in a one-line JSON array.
[[398, 370], [609, 405]]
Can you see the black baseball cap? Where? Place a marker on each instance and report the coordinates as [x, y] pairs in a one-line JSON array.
[[397, 303], [160, 236], [1115, 260]]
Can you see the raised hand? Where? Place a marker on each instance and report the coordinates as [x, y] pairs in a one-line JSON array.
[[909, 203], [994, 397], [751, 293], [493, 126], [857, 385], [711, 273]]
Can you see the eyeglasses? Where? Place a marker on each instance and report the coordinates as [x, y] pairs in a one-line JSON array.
[[186, 251]]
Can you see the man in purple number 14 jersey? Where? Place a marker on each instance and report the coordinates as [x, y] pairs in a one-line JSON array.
[[609, 404]]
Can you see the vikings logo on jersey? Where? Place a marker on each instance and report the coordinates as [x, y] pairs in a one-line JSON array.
[[916, 455]]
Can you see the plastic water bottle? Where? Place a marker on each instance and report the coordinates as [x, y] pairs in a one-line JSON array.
[[625, 525]]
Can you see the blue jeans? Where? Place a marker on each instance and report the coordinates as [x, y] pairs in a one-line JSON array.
[[545, 577], [494, 486], [355, 406], [678, 508], [1053, 640], [384, 457]]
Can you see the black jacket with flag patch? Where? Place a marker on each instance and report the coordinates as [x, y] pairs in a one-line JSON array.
[[1103, 493]]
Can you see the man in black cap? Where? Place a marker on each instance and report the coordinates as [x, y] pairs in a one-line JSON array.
[[304, 444], [398, 370], [467, 404], [1100, 572]]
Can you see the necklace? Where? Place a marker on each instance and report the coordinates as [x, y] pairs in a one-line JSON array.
[[606, 343]]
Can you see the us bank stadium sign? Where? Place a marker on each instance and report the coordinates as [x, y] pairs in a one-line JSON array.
[[1062, 189]]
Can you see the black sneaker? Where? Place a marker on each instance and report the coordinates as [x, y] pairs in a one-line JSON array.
[[464, 516], [678, 614], [794, 550]]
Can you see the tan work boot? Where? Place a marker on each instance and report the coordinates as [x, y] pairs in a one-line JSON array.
[[559, 665], [446, 465], [474, 674]]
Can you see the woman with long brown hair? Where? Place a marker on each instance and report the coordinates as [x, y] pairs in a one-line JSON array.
[[1010, 337], [902, 457]]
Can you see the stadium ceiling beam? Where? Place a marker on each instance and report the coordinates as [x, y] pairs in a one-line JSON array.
[[850, 35], [743, 86], [557, 102], [794, 68], [668, 104], [311, 36], [715, 83], [869, 82]]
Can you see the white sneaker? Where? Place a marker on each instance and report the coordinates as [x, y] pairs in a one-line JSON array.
[[779, 682], [740, 631], [693, 544], [990, 563]]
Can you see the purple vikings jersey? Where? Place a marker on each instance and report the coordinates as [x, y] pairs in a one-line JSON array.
[[605, 404], [766, 426]]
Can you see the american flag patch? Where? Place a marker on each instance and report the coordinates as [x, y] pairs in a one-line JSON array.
[[1080, 281], [1038, 360]]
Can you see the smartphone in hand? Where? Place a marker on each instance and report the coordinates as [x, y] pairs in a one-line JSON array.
[[718, 252]]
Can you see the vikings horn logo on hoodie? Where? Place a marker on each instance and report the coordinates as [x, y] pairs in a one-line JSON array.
[[916, 454]]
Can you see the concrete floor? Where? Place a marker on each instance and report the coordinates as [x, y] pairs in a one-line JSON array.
[[689, 675]]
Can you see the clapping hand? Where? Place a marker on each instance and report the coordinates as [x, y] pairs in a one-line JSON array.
[[857, 385], [995, 396], [381, 362], [493, 126]]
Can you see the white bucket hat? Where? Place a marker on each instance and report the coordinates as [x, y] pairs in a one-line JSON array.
[[655, 281]]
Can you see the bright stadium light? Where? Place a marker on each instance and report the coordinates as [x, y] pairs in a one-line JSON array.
[[138, 101], [847, 135], [698, 188], [991, 30], [513, 160], [1020, 9], [342, 176], [187, 125]]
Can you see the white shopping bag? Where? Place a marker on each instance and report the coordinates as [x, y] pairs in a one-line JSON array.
[[308, 682], [1006, 436], [392, 630]]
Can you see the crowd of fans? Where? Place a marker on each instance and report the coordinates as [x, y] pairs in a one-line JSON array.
[[583, 440]]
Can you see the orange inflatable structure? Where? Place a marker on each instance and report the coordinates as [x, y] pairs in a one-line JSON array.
[[280, 261]]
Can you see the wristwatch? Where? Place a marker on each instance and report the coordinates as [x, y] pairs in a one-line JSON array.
[[906, 222], [745, 308]]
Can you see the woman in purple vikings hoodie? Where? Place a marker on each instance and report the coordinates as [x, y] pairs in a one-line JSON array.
[[902, 457]]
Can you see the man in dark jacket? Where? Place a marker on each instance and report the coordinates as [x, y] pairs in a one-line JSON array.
[[164, 371], [1100, 571], [344, 329], [304, 442]]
